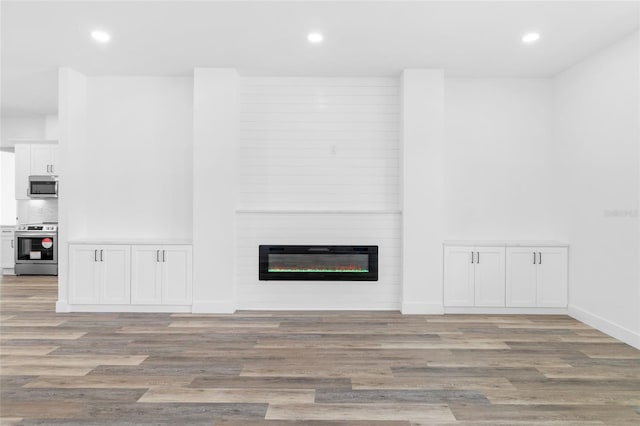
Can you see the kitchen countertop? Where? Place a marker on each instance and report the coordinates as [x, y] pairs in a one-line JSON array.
[[506, 243], [132, 241]]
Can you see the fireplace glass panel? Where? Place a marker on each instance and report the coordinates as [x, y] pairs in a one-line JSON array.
[[343, 263], [318, 263]]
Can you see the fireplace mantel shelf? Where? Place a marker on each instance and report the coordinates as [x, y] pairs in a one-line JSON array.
[[316, 211]]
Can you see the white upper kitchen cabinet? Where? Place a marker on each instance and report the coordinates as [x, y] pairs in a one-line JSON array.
[[99, 274], [22, 170], [39, 159], [537, 277], [161, 275], [44, 159]]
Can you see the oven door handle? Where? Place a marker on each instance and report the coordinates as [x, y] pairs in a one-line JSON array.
[[35, 234]]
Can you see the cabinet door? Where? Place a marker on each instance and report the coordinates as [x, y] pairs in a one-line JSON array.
[[176, 275], [458, 276], [489, 276], [552, 277], [521, 277], [115, 274], [22, 170], [54, 160], [83, 275], [146, 282], [40, 159], [8, 254]]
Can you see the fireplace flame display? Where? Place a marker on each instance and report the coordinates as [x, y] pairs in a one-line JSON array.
[[339, 268], [319, 263], [314, 262]]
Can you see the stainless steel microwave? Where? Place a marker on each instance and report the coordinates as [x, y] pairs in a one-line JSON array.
[[43, 187]]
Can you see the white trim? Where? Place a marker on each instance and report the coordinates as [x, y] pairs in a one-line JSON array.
[[62, 306], [222, 307], [312, 211], [503, 243], [612, 329], [500, 310], [294, 306], [129, 308], [418, 308]]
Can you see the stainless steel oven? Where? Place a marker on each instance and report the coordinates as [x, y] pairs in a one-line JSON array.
[[36, 249]]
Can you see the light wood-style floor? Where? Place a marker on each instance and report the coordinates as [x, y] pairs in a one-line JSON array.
[[306, 368]]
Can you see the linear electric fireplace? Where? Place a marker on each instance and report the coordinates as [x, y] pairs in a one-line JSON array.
[[319, 263]]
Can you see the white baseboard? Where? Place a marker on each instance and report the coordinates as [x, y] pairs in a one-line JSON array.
[[419, 308], [223, 307], [317, 307], [62, 306], [128, 308], [612, 329], [498, 310]]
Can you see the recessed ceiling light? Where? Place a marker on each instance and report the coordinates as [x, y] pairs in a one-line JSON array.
[[530, 38], [100, 36], [314, 37]]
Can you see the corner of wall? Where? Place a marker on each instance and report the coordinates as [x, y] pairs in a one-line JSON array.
[[423, 189], [215, 119], [608, 327]]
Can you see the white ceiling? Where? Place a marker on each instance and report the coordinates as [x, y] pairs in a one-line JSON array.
[[361, 38]]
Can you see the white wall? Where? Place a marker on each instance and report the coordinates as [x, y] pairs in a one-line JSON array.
[[20, 128], [318, 164], [72, 110], [423, 141], [596, 116], [7, 189], [12, 128], [51, 130], [137, 158], [215, 124], [498, 169]]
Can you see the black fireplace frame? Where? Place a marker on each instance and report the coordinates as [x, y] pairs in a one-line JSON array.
[[265, 275]]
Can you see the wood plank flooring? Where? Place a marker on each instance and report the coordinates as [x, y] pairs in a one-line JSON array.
[[305, 368]]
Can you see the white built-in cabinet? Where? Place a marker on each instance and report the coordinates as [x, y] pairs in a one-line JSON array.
[[130, 274], [39, 159], [161, 275], [474, 276], [509, 275], [536, 276], [99, 274], [7, 250]]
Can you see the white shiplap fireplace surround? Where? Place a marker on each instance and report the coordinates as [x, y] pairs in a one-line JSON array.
[[266, 160], [318, 161]]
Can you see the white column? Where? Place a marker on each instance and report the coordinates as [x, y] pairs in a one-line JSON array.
[[215, 122], [72, 113], [423, 182]]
